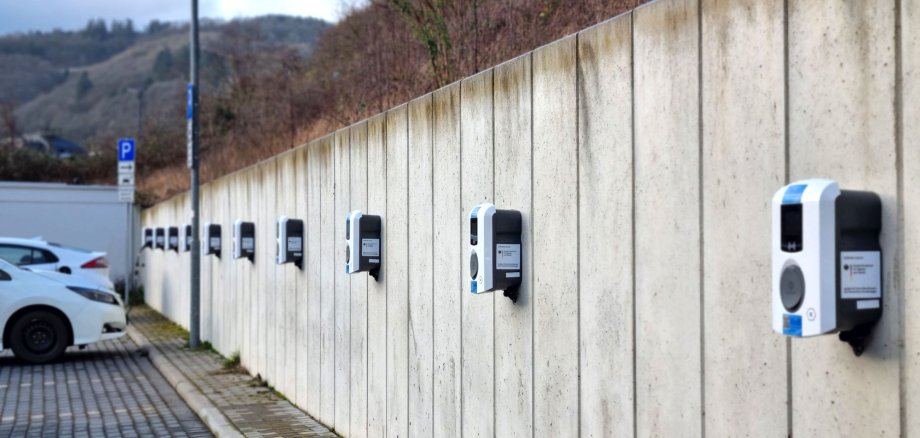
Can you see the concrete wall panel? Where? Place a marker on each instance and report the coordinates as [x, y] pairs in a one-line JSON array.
[[342, 283], [478, 419], [301, 284], [421, 345], [841, 126], [910, 180], [312, 268], [274, 350], [397, 252], [377, 338], [327, 280], [359, 311], [313, 231], [555, 239], [667, 219], [449, 248], [514, 321], [743, 165], [605, 269]]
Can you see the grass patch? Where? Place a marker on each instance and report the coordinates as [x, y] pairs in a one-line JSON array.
[[257, 382], [233, 361]]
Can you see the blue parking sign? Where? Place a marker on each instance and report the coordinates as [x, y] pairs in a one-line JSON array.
[[126, 149]]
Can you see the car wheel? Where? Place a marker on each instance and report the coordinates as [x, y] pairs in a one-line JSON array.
[[38, 337]]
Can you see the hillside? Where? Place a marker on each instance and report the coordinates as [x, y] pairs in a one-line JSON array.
[[86, 87]]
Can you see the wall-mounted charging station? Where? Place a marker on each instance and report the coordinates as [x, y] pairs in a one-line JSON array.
[[186, 237], [160, 238], [148, 238], [362, 243], [210, 242], [827, 261], [495, 250], [244, 240], [172, 239], [289, 241]]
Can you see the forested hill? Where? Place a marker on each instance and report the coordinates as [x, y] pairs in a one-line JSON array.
[[85, 84]]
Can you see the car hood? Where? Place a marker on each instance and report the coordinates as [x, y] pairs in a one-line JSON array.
[[70, 280]]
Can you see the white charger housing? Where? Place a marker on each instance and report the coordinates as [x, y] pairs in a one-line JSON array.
[[210, 242], [148, 238], [160, 238], [186, 237], [172, 239], [827, 261], [495, 250], [362, 243], [289, 241], [244, 240]]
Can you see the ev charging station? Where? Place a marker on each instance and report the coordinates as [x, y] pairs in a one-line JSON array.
[[495, 250], [827, 261], [244, 240], [289, 241], [160, 238], [148, 238], [172, 239], [210, 243], [362, 243], [186, 237]]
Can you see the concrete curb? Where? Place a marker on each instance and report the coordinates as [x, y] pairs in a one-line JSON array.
[[216, 421]]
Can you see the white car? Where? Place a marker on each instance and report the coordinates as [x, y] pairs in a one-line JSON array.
[[36, 254], [42, 313]]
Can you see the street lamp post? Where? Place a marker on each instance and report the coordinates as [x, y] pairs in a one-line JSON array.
[[192, 116]]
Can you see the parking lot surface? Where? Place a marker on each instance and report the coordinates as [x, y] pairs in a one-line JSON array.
[[109, 389]]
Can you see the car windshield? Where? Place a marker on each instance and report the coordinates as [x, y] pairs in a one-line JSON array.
[[71, 248]]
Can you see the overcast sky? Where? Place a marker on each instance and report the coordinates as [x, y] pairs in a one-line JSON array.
[[26, 15]]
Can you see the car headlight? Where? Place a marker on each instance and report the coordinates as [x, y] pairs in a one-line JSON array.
[[95, 295]]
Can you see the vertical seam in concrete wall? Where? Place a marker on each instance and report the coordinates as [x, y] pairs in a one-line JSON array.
[[632, 117], [494, 368], [336, 179], [386, 257], [786, 181], [701, 212], [431, 145], [901, 275], [530, 276], [323, 171], [577, 240], [408, 271], [350, 298], [367, 288], [462, 222]]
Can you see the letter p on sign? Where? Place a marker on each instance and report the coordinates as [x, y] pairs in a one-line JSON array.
[[126, 149]]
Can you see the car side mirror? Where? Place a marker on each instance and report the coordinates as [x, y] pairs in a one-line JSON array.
[[4, 276]]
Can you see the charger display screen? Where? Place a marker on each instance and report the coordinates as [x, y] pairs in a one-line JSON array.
[[791, 228]]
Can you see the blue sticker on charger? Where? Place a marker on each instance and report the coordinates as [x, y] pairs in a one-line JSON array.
[[792, 325], [793, 194], [473, 286]]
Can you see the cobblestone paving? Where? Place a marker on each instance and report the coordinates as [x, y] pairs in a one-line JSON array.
[[108, 389], [254, 409]]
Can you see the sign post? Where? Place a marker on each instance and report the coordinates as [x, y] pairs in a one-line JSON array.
[[127, 149]]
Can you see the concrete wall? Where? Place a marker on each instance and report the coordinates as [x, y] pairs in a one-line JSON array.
[[643, 154]]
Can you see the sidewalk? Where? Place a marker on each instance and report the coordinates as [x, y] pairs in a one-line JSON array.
[[250, 406]]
